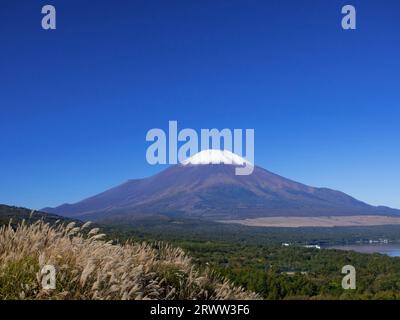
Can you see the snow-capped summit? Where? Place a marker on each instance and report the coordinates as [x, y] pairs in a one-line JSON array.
[[215, 156]]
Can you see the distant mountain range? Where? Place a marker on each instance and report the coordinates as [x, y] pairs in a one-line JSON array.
[[213, 191], [15, 215]]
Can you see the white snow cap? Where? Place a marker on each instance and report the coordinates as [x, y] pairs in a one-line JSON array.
[[215, 156]]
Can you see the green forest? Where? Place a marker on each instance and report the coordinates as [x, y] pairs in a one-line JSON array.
[[255, 258]]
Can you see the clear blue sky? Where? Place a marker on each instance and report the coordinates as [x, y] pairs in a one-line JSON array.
[[76, 103]]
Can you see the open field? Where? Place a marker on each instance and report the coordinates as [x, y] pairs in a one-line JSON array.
[[330, 221]]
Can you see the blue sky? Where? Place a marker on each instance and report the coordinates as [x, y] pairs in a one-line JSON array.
[[76, 103]]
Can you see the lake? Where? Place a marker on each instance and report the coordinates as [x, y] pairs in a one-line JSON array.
[[392, 250]]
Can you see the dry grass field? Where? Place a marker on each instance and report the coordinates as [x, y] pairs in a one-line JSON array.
[[88, 267], [330, 221]]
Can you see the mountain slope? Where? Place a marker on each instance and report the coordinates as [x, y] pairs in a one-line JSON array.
[[213, 191], [15, 215]]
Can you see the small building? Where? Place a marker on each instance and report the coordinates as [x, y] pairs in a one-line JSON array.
[[313, 246]]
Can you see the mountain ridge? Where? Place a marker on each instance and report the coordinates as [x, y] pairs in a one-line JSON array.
[[214, 192]]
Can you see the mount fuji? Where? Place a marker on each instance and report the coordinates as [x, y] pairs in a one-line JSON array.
[[206, 186]]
